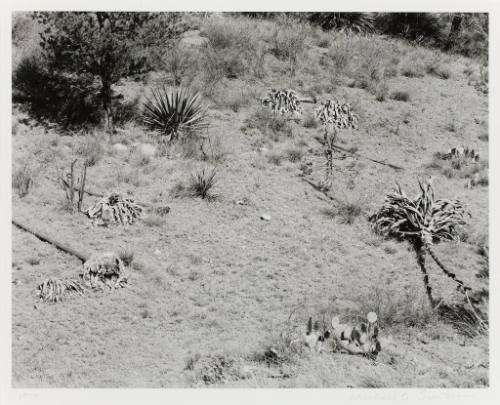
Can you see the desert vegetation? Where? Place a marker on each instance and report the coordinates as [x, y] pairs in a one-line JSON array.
[[225, 181]]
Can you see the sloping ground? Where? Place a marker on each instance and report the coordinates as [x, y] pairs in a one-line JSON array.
[[213, 278]]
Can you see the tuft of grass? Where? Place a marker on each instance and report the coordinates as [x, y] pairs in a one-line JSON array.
[[214, 149], [310, 121], [294, 154], [126, 256], [128, 176], [179, 190], [413, 67], [400, 96], [380, 91], [202, 182], [408, 307], [232, 98], [346, 212], [275, 159], [23, 179], [33, 261], [323, 42], [439, 70]]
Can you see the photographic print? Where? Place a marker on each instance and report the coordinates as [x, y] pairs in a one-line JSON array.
[[250, 199]]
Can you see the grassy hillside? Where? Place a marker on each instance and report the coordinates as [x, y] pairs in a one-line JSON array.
[[212, 286]]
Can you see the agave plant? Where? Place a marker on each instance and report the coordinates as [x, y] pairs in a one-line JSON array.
[[174, 112], [423, 222]]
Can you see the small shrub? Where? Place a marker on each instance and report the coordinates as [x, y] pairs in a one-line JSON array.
[[213, 149], [412, 68], [269, 123], [323, 42], [176, 62], [128, 176], [22, 179], [288, 42], [451, 126], [340, 54], [400, 96], [233, 98], [275, 159], [347, 212], [33, 261], [215, 369], [202, 182], [90, 150], [233, 50]]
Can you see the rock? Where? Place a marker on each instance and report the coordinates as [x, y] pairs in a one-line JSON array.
[[120, 147], [265, 217], [147, 149], [244, 201]]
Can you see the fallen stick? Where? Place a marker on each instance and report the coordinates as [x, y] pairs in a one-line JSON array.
[[318, 188], [395, 167], [46, 238], [368, 158]]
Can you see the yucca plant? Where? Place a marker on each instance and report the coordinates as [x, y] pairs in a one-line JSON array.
[[174, 113], [202, 182], [423, 222]]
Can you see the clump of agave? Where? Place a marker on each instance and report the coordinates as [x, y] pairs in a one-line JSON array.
[[174, 113], [423, 222]]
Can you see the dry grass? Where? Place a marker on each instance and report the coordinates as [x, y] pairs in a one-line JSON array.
[[23, 179], [400, 96]]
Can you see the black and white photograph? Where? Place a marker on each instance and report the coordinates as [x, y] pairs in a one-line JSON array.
[[248, 199]]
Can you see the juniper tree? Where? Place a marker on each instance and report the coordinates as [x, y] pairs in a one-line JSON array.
[[105, 46]]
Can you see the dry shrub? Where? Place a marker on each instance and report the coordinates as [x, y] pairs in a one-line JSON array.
[[407, 307], [400, 96], [288, 41], [89, 149], [23, 178], [233, 49], [268, 123], [233, 97]]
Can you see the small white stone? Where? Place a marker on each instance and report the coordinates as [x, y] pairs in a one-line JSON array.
[[265, 217]]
